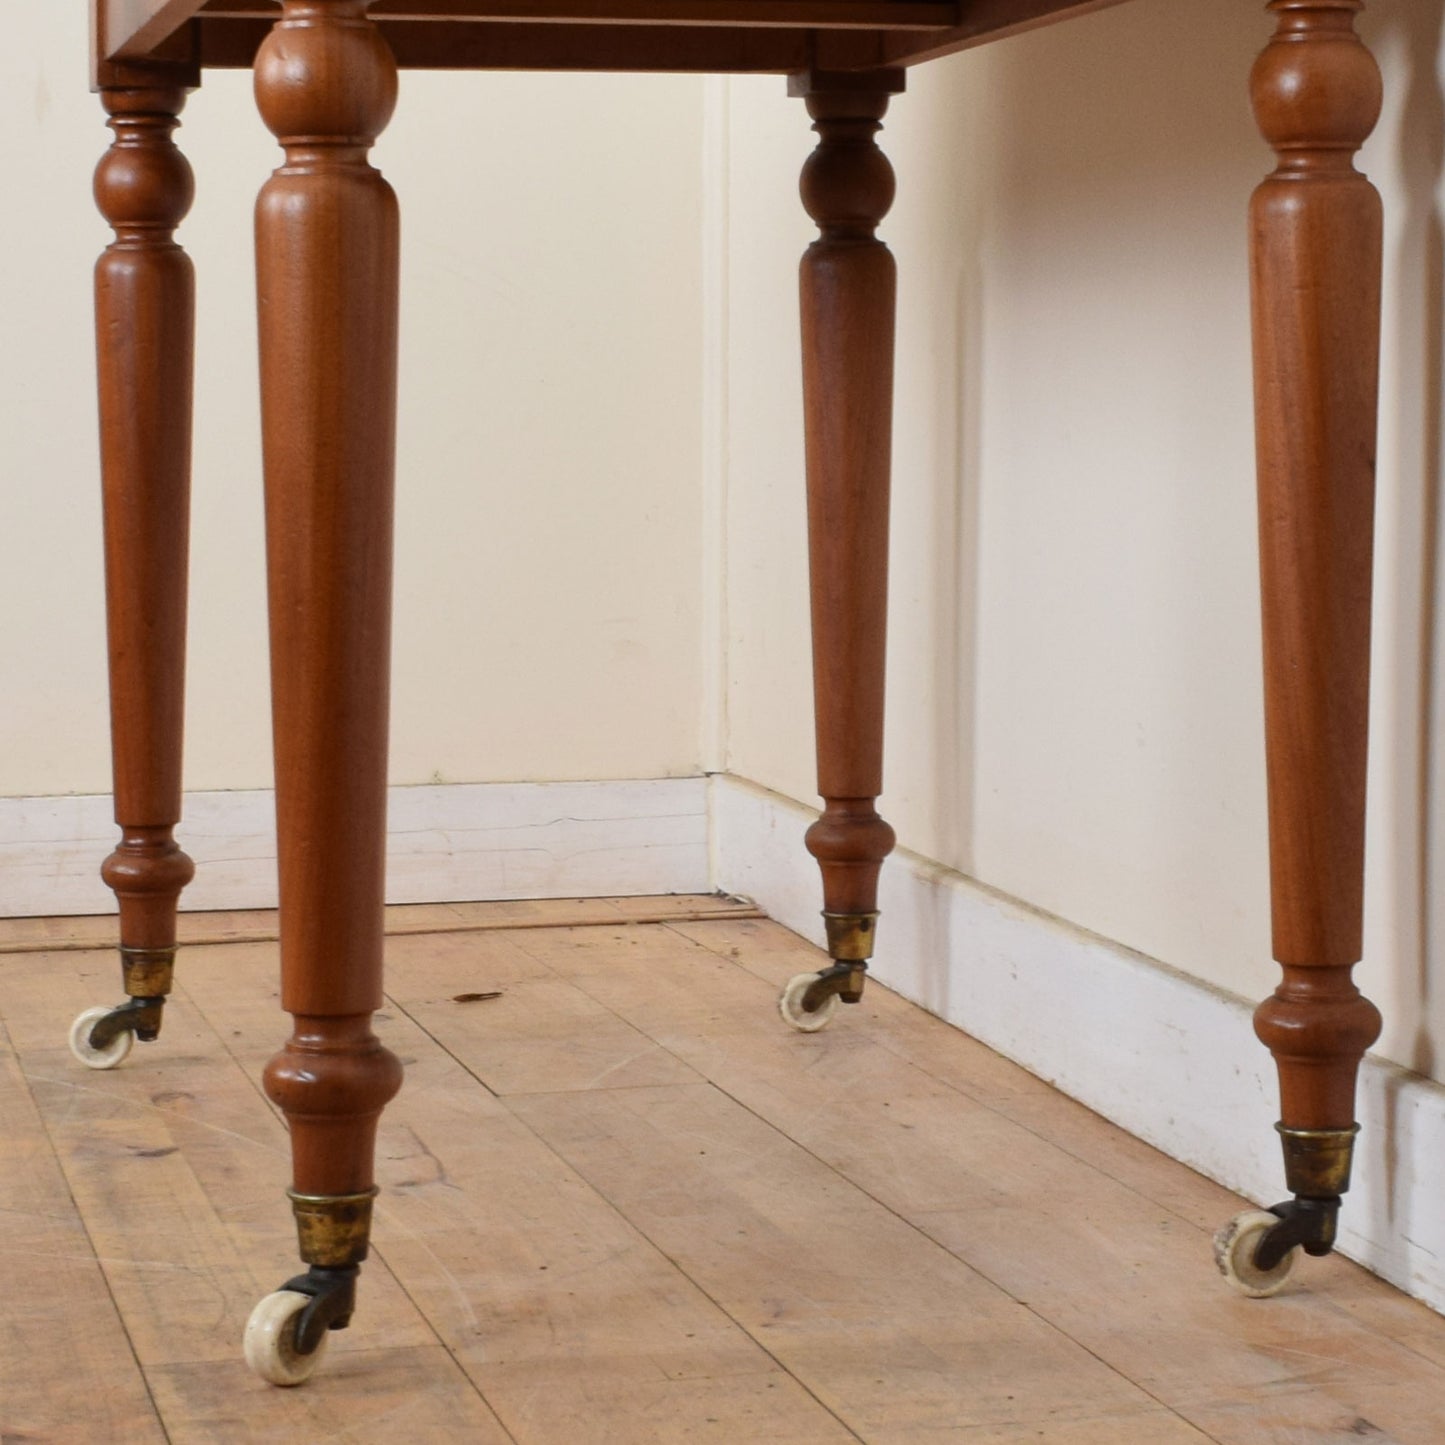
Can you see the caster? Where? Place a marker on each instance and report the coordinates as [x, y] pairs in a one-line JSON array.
[[286, 1334], [1234, 1252], [101, 1037], [107, 1055], [790, 1005], [271, 1344]]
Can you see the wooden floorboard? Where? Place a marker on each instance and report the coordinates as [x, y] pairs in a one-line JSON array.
[[558, 1309], [623, 1203], [64, 1353]]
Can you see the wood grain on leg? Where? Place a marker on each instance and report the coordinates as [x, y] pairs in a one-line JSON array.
[[145, 323], [847, 285], [326, 248], [1315, 229]]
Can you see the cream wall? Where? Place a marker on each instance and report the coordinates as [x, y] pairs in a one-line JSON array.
[[549, 598], [1074, 705]]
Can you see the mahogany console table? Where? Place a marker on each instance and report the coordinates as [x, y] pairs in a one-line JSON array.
[[326, 229]]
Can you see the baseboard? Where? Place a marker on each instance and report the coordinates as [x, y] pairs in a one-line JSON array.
[[1168, 1058], [452, 843]]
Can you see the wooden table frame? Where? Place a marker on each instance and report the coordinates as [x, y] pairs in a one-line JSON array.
[[325, 73]]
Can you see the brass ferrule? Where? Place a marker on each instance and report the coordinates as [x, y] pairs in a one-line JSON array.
[[850, 936], [1317, 1161], [147, 971], [332, 1229]]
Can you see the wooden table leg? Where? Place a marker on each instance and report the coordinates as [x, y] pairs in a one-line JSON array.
[[326, 252], [847, 284], [145, 309], [1315, 228]]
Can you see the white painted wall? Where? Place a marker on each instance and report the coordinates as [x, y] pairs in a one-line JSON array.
[[1074, 706], [549, 596]]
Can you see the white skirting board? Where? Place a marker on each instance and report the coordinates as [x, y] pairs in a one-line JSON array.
[[446, 844], [1168, 1058]]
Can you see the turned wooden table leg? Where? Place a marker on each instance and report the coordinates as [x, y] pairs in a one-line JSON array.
[[144, 307], [326, 252], [1315, 228], [847, 284]]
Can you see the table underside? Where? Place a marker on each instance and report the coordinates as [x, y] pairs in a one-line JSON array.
[[777, 36]]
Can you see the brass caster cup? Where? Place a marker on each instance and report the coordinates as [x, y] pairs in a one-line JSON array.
[[333, 1230], [850, 936], [1317, 1161], [147, 972]]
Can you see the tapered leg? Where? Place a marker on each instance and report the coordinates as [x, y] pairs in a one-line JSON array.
[[1315, 229], [847, 291], [326, 251], [144, 307]]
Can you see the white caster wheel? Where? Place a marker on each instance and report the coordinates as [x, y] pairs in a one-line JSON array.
[[790, 1005], [93, 1058], [271, 1340], [1234, 1247]]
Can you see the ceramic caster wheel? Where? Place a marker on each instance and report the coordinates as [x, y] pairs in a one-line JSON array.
[[93, 1058], [1234, 1248], [271, 1340], [790, 1005]]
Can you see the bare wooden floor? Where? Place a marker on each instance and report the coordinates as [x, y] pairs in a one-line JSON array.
[[623, 1204]]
